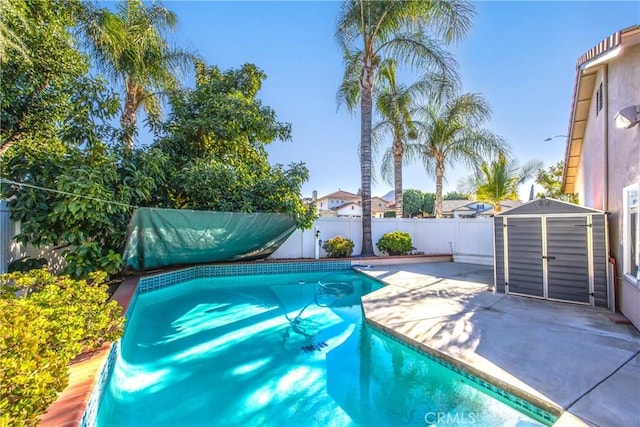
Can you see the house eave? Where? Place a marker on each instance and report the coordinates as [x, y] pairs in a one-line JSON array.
[[587, 67]]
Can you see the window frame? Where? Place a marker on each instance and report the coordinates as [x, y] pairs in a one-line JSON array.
[[626, 236]]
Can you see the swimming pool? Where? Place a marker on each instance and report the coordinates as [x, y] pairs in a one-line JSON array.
[[283, 349]]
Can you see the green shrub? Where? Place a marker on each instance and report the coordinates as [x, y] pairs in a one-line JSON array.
[[46, 321], [395, 243], [338, 247]]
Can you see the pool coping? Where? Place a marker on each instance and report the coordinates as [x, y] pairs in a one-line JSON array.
[[544, 405]]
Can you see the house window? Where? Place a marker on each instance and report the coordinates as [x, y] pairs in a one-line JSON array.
[[320, 204], [351, 207], [599, 99], [630, 231]]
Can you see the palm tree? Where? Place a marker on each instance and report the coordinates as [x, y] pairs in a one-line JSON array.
[[395, 103], [498, 180], [131, 49], [451, 132], [370, 32]]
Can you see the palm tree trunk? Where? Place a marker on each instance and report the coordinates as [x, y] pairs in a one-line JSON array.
[[366, 105], [129, 118], [439, 178], [397, 176]]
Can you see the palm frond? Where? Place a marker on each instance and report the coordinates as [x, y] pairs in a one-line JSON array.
[[529, 170], [386, 166]]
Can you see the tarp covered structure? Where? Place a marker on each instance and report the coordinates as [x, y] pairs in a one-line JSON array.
[[164, 237]]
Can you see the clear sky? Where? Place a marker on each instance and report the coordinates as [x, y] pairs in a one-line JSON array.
[[520, 55]]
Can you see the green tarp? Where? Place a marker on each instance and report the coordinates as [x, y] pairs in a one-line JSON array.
[[164, 237]]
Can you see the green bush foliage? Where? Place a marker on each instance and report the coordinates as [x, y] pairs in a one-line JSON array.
[[338, 247], [46, 321], [395, 243]]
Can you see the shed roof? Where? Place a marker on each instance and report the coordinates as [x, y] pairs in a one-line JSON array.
[[549, 206]]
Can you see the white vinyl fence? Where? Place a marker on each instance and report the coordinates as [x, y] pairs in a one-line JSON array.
[[468, 240], [11, 251], [6, 234]]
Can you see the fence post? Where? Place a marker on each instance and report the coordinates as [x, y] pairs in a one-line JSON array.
[[456, 248]]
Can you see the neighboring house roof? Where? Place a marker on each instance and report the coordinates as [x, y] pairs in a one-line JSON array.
[[507, 205], [340, 194], [585, 81], [466, 207], [377, 204], [390, 196], [449, 206], [344, 205]]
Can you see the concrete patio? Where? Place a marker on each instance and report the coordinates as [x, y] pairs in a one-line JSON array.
[[568, 359]]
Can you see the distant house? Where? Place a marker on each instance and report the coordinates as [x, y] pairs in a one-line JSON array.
[[328, 204], [473, 209], [344, 204], [347, 209], [602, 157], [379, 206]]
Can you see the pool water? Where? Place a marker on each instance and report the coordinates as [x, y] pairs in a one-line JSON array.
[[280, 350]]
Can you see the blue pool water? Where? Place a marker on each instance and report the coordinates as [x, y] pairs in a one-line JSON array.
[[280, 350]]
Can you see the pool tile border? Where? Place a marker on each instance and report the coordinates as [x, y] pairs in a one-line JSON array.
[[90, 414], [162, 280]]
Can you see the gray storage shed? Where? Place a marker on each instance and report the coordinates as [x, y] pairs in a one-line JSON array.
[[552, 250]]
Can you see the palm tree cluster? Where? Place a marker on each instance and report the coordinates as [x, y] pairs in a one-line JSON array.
[[429, 120]]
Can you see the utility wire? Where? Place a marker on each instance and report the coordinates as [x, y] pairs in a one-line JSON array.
[[8, 181]]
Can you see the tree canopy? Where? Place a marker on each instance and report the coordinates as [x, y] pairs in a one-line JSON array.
[[418, 203], [130, 47], [551, 181], [72, 184], [451, 131]]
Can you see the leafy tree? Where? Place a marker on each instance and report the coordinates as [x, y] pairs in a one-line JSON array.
[[418, 203], [130, 47], [52, 321], [215, 137], [13, 23], [498, 180], [429, 203], [395, 103], [40, 70], [451, 132], [88, 214], [454, 195], [551, 180], [369, 32]]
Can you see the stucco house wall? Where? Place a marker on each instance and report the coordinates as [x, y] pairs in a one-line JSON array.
[[624, 168], [609, 158]]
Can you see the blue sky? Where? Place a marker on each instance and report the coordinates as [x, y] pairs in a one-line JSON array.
[[520, 55]]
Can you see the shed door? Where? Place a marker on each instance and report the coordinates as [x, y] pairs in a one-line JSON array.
[[524, 256], [568, 259]]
